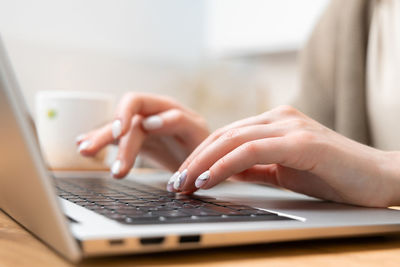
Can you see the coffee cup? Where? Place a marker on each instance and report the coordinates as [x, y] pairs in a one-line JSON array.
[[61, 116]]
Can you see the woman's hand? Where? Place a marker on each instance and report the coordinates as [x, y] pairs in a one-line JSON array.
[[285, 148], [155, 125]]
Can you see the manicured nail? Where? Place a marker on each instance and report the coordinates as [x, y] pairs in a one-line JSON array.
[[170, 188], [180, 180], [171, 181], [84, 145], [79, 138], [116, 167], [152, 122], [173, 177], [202, 179], [116, 128]]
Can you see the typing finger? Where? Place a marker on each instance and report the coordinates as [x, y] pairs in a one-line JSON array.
[[229, 141], [278, 114], [129, 147], [265, 151], [94, 141]]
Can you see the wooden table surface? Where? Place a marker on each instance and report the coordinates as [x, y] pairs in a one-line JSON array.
[[19, 248]]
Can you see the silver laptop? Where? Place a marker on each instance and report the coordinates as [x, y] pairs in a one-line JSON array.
[[86, 214]]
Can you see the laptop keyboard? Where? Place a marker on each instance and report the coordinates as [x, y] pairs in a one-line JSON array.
[[130, 202]]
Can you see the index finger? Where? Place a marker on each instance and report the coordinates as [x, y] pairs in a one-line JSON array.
[[280, 113], [144, 104]]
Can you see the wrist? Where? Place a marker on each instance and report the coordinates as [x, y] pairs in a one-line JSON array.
[[389, 168]]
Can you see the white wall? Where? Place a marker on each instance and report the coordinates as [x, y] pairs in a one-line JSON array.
[[259, 26], [164, 46], [102, 45], [146, 29]]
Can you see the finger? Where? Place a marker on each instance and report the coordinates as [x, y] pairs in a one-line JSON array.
[[214, 136], [229, 141], [130, 105], [189, 128], [280, 113], [259, 174], [265, 151], [266, 174], [95, 141], [128, 149], [142, 104]]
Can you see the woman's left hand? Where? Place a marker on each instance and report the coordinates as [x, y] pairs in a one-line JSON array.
[[285, 148]]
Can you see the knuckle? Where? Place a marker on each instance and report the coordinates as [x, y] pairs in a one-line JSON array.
[[129, 96], [304, 137], [177, 114], [250, 148], [202, 122], [287, 110], [217, 133], [222, 164], [298, 123], [231, 134]]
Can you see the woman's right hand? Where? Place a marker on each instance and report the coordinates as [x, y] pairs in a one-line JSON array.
[[156, 125]]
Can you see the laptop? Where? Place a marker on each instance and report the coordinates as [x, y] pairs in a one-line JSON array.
[[88, 214]]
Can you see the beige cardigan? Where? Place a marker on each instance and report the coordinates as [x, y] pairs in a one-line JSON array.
[[333, 88]]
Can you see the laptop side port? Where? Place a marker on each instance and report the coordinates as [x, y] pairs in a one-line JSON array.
[[189, 239], [116, 242], [152, 240]]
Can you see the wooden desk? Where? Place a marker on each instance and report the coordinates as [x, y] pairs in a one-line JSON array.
[[19, 248]]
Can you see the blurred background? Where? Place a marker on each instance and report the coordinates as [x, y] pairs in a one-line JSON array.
[[226, 59]]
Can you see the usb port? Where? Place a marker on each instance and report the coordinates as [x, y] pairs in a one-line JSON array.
[[152, 240], [189, 239]]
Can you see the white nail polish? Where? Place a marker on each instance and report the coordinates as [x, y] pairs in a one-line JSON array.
[[170, 188], [84, 145], [116, 128], [116, 167], [173, 177], [80, 137], [180, 180], [152, 122], [202, 179]]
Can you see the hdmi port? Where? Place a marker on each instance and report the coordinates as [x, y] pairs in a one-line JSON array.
[[152, 240]]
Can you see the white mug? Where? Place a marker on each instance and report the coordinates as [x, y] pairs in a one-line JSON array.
[[61, 116]]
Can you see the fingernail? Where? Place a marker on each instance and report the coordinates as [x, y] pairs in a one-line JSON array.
[[170, 184], [152, 122], [116, 167], [180, 180], [116, 128], [79, 138], [170, 188], [84, 145], [202, 179], [173, 177]]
